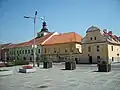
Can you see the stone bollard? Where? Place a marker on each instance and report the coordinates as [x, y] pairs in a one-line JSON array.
[[47, 64], [104, 67], [70, 65]]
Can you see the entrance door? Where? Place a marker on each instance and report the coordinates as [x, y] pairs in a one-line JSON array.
[[90, 59], [76, 60]]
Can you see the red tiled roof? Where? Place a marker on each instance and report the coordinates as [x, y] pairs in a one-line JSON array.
[[64, 38], [38, 41], [4, 45], [11, 46], [109, 34]]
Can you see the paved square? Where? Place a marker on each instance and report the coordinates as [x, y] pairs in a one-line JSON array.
[[84, 77]]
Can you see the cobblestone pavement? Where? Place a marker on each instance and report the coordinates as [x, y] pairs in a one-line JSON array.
[[84, 77]]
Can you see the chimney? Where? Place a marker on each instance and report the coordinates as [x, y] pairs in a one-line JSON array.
[[105, 30], [110, 32]]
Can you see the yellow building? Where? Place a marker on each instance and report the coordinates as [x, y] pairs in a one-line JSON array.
[[99, 45], [63, 47]]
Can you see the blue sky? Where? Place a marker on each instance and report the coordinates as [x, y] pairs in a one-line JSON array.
[[61, 16]]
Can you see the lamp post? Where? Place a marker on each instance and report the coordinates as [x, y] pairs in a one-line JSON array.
[[34, 51], [1, 50]]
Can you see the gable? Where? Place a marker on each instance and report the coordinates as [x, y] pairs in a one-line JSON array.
[[94, 36]]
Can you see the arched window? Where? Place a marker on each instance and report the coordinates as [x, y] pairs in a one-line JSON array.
[[24, 58]]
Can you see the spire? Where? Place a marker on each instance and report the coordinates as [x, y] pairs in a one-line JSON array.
[[44, 24], [44, 27]]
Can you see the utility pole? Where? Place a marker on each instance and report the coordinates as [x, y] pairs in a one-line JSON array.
[[34, 51]]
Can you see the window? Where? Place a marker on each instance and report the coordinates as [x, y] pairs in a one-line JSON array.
[[22, 51], [98, 48], [24, 58], [28, 51], [25, 51], [32, 51], [72, 49], [59, 50], [30, 59], [95, 38], [112, 48], [112, 59], [14, 52], [98, 57], [90, 38], [118, 54], [17, 52], [54, 50], [89, 49], [66, 50], [38, 50], [45, 50]]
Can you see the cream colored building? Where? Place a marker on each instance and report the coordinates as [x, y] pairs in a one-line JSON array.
[[99, 45], [62, 47]]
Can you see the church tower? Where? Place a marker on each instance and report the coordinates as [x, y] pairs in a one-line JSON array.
[[43, 31]]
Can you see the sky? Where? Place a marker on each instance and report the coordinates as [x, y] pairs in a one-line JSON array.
[[61, 16]]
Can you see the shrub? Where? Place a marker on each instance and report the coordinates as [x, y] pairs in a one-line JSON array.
[[21, 62], [9, 64], [17, 62], [3, 70]]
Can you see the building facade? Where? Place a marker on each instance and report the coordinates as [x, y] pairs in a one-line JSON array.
[[63, 47], [24, 51], [4, 52], [99, 45]]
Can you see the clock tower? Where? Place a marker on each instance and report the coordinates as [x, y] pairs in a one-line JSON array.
[[43, 31]]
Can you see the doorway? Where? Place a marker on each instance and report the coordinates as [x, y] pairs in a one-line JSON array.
[[76, 60], [90, 59]]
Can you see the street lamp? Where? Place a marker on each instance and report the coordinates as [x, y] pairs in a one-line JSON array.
[[34, 37], [1, 50]]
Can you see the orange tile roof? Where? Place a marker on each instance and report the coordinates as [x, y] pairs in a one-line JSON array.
[[38, 41], [10, 46], [2, 46], [64, 38]]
